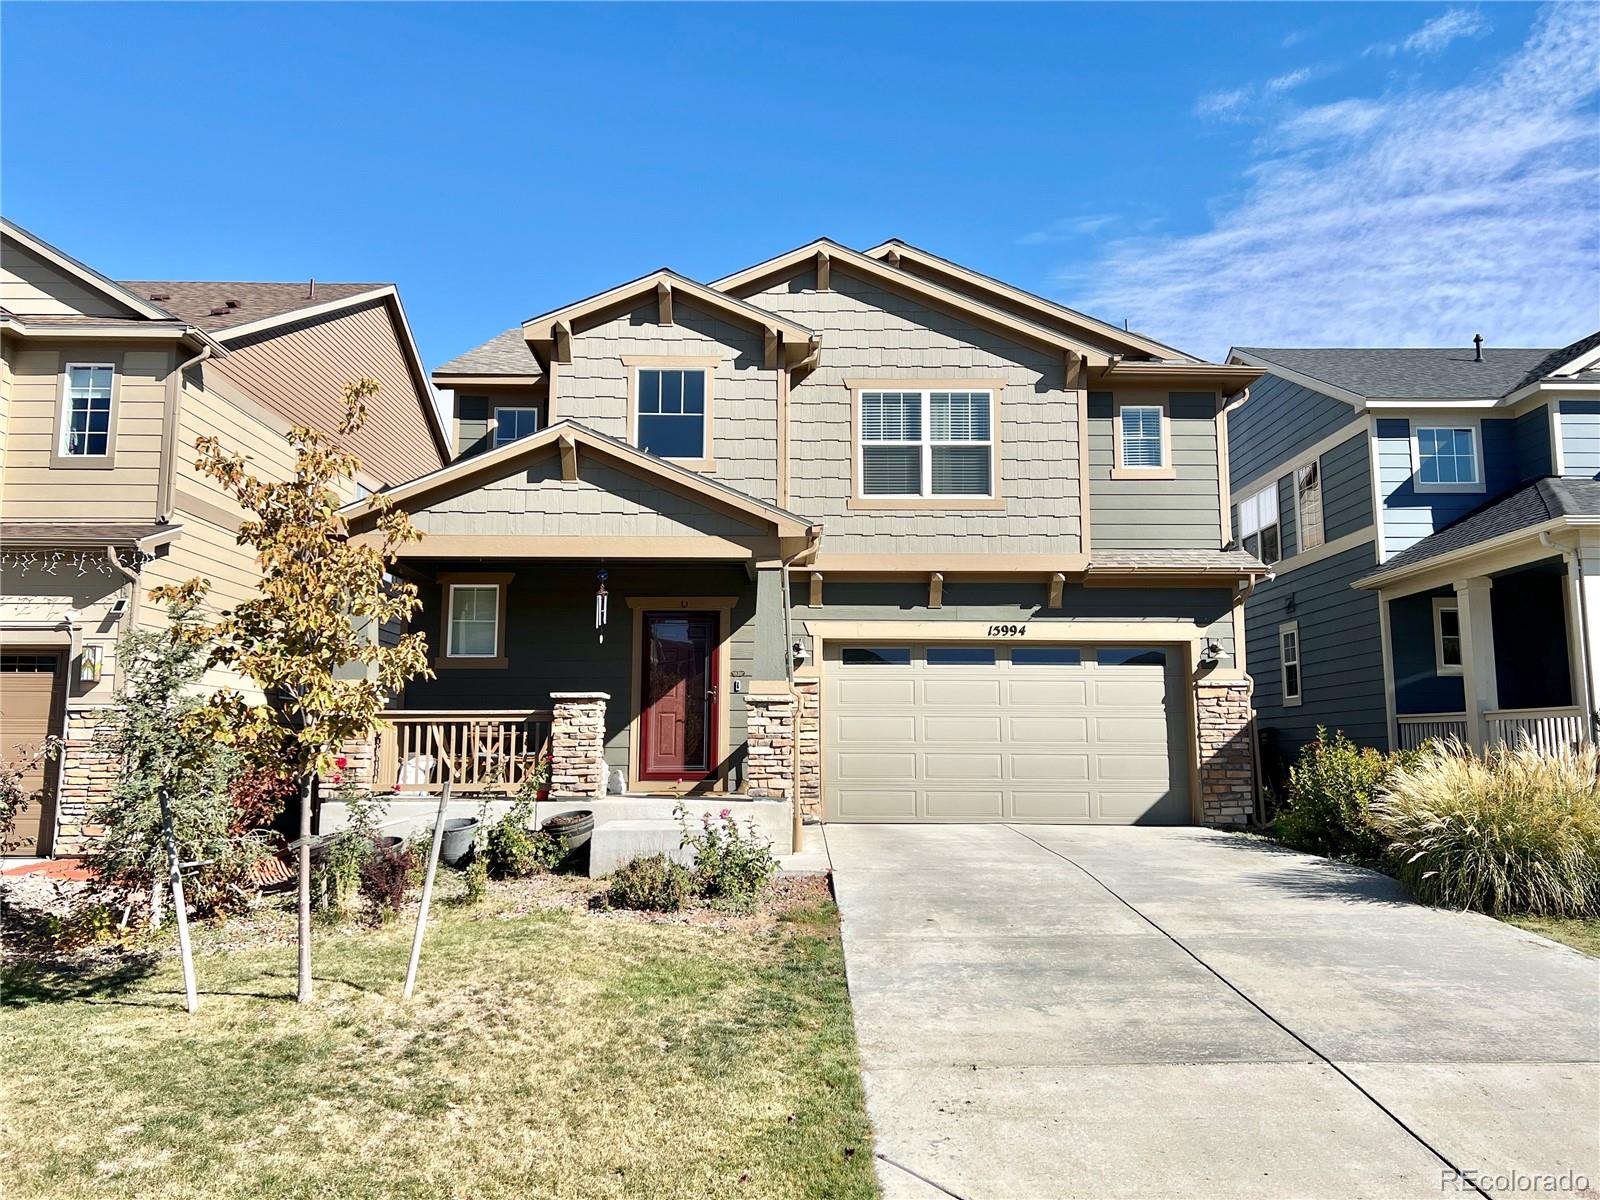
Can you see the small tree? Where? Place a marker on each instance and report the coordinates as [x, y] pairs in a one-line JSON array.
[[323, 597]]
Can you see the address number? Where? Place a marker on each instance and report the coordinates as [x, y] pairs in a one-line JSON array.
[[1008, 631]]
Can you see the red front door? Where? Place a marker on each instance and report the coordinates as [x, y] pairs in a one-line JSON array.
[[678, 699]]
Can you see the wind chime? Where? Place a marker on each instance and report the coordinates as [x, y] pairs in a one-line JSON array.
[[600, 604]]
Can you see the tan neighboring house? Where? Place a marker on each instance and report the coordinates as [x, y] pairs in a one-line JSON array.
[[104, 387]]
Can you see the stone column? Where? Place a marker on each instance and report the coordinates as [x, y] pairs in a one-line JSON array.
[[808, 747], [87, 775], [1227, 774], [769, 746], [578, 743], [354, 763]]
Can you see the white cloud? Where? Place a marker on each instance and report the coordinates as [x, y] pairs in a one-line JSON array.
[[1227, 106], [1289, 80], [1416, 219], [1068, 228], [1438, 33]]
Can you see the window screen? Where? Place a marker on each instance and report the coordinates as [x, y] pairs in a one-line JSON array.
[[1141, 436]]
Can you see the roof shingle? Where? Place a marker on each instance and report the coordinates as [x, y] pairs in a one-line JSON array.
[[504, 354], [195, 301], [1411, 374]]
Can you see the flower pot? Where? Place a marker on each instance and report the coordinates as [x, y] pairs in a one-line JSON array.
[[389, 845], [456, 845], [575, 828]]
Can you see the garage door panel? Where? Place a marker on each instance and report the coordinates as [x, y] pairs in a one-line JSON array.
[[1153, 806], [1063, 764], [1121, 729], [1141, 767], [961, 693], [943, 765], [868, 730], [873, 689], [966, 728], [1065, 693], [876, 765], [875, 804], [964, 805], [1056, 804], [1128, 692], [1048, 731]]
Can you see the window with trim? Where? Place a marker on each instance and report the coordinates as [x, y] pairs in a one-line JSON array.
[[1446, 637], [1289, 661], [1142, 441], [510, 424], [1258, 524], [1447, 457], [1308, 506], [671, 420], [927, 444], [86, 411], [473, 621]]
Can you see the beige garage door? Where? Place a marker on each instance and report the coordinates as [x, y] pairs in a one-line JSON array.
[[1004, 733], [29, 711]]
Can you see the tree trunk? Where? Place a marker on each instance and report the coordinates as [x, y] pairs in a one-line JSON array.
[[303, 996]]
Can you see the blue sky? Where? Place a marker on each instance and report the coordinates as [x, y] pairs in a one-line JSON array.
[[1216, 174]]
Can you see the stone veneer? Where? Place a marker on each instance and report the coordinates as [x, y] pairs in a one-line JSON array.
[[1227, 765], [769, 746], [808, 747], [87, 776], [578, 743]]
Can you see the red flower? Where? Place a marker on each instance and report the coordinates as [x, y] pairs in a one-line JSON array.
[[341, 762], [337, 779]]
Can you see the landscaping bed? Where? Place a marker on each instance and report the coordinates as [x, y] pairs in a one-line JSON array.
[[553, 1048]]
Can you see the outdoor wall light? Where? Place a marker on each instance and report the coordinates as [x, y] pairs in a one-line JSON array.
[[1210, 655], [90, 663], [798, 653]]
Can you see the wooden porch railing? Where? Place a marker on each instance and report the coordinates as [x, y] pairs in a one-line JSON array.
[[487, 751], [1546, 728], [1416, 728]]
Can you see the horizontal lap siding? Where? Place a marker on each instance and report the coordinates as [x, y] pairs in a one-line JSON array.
[[1534, 457], [30, 285], [868, 331], [1156, 514], [1340, 650], [1346, 488], [1580, 439], [1410, 515], [32, 489], [1280, 420], [593, 388]]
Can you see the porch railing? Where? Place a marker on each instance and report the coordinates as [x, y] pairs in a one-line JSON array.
[[1416, 728], [1546, 728], [485, 751]]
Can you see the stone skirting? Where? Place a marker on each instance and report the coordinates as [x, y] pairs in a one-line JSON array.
[[578, 743], [808, 747], [1227, 765], [769, 746], [87, 776]]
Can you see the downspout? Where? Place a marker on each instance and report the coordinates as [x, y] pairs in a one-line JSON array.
[[169, 449], [1569, 555], [813, 541], [1240, 599]]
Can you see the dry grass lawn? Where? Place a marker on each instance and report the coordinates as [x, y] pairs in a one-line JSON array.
[[550, 1052], [1581, 933]]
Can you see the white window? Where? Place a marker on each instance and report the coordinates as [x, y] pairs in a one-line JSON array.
[[1258, 524], [1142, 441], [1289, 661], [1446, 636], [474, 621], [86, 411], [513, 423], [672, 413], [933, 444], [1308, 507], [1446, 458]]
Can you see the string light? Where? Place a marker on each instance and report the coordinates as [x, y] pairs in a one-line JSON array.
[[48, 562]]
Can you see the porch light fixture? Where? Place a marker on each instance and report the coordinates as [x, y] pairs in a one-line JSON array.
[[91, 664], [1210, 655], [600, 604], [798, 653]]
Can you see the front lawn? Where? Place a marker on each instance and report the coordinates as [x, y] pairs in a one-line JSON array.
[[549, 1051], [1580, 933]]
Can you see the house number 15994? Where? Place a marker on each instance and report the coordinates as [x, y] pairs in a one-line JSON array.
[[1008, 631]]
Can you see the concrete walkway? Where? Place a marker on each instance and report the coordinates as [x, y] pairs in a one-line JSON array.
[[1051, 1011]]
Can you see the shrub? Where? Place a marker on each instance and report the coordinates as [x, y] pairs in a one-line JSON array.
[[1516, 832], [336, 873], [731, 864], [477, 880], [385, 875], [1330, 790], [514, 851], [651, 884]]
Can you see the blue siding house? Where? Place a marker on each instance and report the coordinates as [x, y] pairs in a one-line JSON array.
[[1432, 521]]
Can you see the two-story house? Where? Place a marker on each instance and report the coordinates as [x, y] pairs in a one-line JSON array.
[[1432, 521], [866, 530], [104, 387]]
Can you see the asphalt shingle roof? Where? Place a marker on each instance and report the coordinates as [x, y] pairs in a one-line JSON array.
[[503, 354], [194, 300], [1413, 374], [1188, 560], [1531, 505]]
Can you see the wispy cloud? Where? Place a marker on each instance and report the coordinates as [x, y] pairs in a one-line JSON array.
[[1438, 33], [1069, 228], [1417, 218], [1229, 105], [1289, 80]]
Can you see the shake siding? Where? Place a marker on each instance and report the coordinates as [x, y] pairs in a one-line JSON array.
[[532, 500], [1410, 515], [869, 332], [301, 369], [1280, 420], [593, 388], [1346, 488], [1157, 514], [1580, 439], [32, 490], [31, 286], [1340, 651], [1534, 459]]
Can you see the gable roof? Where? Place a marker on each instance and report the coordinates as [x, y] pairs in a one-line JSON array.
[[221, 306], [85, 274], [1579, 358], [572, 433], [506, 353], [1402, 373], [1049, 310]]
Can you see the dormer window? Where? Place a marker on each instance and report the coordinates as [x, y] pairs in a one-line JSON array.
[[671, 417], [511, 424]]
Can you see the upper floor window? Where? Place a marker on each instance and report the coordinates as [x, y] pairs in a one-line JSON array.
[[671, 419], [927, 444], [513, 423], [1258, 524], [1142, 443], [1446, 458], [1308, 506], [86, 411]]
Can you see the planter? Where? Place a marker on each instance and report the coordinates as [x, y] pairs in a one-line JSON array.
[[389, 845], [456, 845], [576, 828]]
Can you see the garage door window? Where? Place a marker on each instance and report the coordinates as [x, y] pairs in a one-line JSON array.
[[1046, 656], [950, 656], [876, 656], [1130, 656]]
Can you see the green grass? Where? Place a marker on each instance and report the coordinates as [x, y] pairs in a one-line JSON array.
[[546, 1053], [1581, 933]]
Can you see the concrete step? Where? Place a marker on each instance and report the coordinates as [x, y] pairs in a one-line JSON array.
[[617, 843]]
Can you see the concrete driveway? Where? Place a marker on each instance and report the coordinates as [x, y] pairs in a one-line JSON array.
[[1049, 1011]]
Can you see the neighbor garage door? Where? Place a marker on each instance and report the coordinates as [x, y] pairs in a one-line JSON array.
[[29, 711], [942, 732]]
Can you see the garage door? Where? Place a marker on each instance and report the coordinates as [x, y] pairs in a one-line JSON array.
[[947, 732], [28, 713]]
